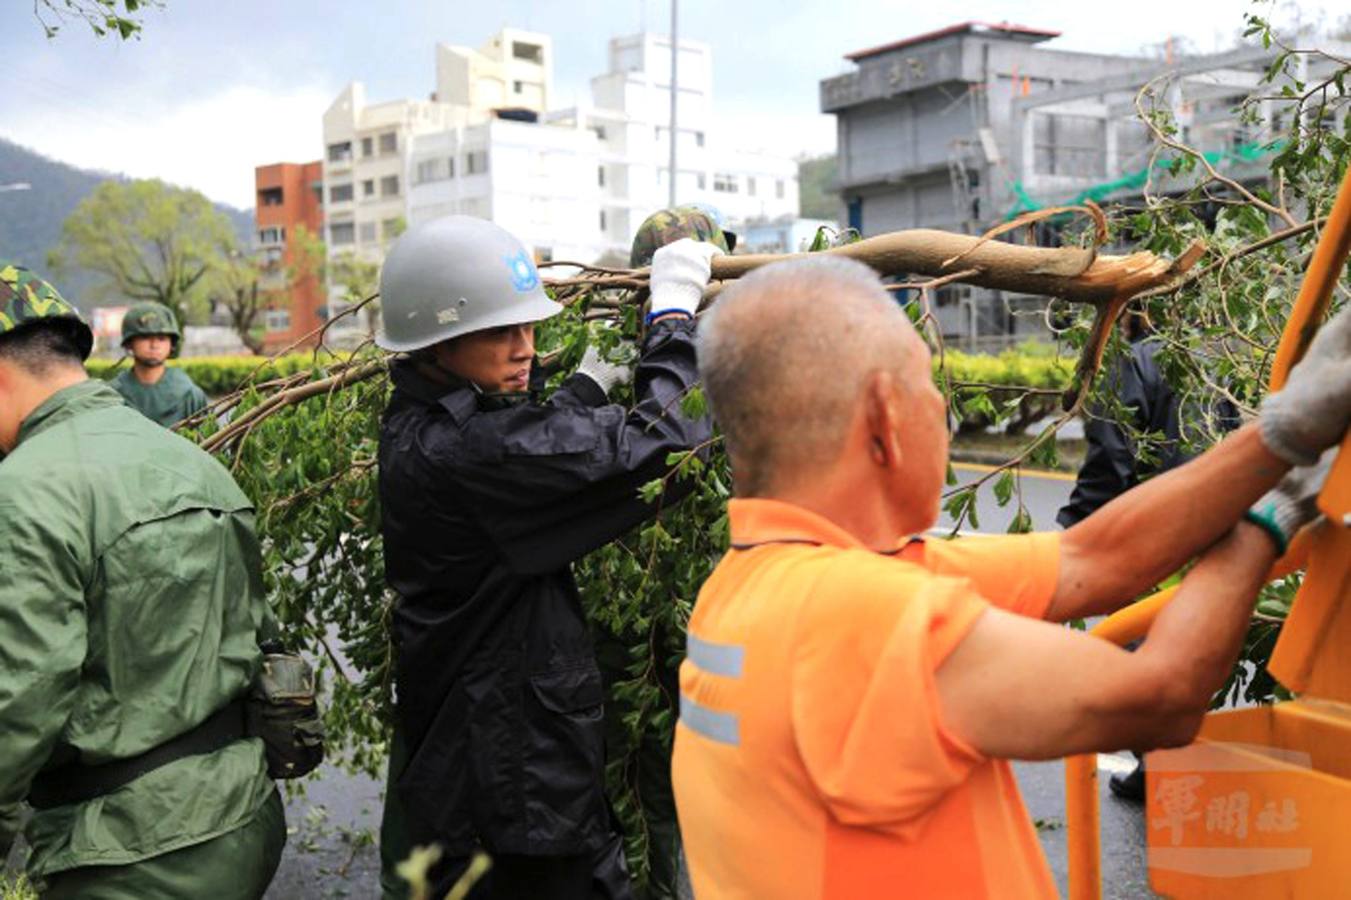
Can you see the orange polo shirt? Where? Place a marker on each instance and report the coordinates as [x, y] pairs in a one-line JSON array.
[[811, 758]]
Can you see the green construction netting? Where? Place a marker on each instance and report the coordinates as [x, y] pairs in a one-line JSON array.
[[1136, 180]]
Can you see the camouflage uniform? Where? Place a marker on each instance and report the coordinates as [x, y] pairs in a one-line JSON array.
[[667, 225], [132, 599], [651, 769], [174, 397]]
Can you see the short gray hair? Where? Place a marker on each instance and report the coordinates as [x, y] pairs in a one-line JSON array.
[[784, 353]]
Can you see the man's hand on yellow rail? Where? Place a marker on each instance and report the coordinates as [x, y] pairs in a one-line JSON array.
[[1313, 410]]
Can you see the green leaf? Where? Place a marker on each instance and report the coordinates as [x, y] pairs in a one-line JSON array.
[[652, 490], [1003, 488], [694, 405]]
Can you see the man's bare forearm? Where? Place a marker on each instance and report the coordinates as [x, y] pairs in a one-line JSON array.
[[1147, 533], [1198, 635]]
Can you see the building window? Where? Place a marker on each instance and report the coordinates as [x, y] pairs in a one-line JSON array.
[[366, 231], [600, 176], [340, 233], [274, 235], [476, 163], [698, 138], [270, 197], [367, 147], [450, 167], [389, 142], [341, 152], [603, 222], [701, 181], [428, 170], [368, 187], [750, 185], [340, 193], [599, 130], [778, 189], [529, 52], [390, 229], [518, 87], [724, 183], [278, 319], [389, 186]]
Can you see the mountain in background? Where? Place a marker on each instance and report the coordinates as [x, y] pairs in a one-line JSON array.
[[30, 221]]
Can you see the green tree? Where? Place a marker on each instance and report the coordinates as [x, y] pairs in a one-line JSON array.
[[817, 198], [247, 284], [357, 279], [146, 240]]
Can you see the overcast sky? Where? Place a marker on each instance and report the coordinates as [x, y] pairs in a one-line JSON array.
[[215, 88]]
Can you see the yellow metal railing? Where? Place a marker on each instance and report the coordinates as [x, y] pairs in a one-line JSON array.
[[1083, 832]]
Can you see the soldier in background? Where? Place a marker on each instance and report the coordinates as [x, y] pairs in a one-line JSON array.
[[165, 395], [131, 597], [651, 768]]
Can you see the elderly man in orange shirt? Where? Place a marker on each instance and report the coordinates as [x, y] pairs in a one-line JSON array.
[[852, 693]]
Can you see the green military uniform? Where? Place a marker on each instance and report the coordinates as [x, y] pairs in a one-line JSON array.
[[171, 399], [649, 771], [132, 599], [174, 397]]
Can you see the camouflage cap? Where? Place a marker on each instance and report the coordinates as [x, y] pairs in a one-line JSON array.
[[668, 225], [148, 318], [26, 299]]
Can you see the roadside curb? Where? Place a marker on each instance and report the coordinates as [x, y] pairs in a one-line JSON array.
[[994, 458]]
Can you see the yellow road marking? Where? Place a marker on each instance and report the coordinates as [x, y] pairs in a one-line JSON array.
[[1026, 473]]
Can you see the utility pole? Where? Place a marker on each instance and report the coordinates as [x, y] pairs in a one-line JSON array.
[[675, 84]]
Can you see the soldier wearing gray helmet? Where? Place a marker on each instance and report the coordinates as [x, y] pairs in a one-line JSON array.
[[488, 493]]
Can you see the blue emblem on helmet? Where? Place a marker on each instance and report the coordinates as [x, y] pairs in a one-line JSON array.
[[523, 275]]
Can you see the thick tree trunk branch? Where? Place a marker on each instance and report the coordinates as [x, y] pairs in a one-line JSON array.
[[1071, 273]]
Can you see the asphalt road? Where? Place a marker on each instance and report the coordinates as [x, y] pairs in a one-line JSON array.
[[332, 848]]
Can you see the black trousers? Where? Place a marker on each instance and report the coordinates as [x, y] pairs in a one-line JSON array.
[[598, 876]]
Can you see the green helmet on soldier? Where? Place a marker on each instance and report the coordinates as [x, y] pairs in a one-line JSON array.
[[27, 300], [456, 275], [150, 318], [700, 223]]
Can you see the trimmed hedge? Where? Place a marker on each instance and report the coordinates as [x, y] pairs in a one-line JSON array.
[[218, 375], [978, 409]]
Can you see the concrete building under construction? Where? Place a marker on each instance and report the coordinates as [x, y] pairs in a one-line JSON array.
[[965, 127]]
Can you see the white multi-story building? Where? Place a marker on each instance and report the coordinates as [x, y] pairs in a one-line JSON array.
[[537, 181], [513, 70], [367, 146], [366, 150], [573, 183], [631, 113]]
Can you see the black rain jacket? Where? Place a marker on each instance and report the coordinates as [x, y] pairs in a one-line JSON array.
[[485, 505], [1110, 466]]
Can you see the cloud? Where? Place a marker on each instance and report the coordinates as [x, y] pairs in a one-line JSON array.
[[211, 143]]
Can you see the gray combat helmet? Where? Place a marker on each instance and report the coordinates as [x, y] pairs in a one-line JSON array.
[[455, 275]]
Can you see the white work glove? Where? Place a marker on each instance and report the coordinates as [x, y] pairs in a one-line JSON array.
[[1312, 411], [680, 272], [602, 371], [1292, 504]]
